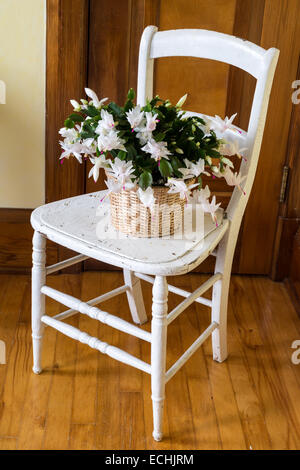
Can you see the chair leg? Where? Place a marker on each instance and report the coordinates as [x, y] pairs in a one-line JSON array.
[[158, 352], [135, 297], [38, 299], [220, 296], [219, 315]]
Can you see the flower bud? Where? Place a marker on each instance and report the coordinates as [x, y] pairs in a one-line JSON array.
[[181, 101]]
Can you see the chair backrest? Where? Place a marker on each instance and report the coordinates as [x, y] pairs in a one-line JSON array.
[[255, 60]]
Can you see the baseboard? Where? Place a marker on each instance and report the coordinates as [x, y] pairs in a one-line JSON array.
[[16, 242]]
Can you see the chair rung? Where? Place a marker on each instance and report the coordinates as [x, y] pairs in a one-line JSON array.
[[192, 297], [95, 301], [175, 290], [94, 312], [64, 264], [190, 351], [95, 343]]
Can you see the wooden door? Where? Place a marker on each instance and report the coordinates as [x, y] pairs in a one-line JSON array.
[[110, 36]]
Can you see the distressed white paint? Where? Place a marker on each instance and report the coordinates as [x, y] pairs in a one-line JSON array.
[[37, 298], [72, 223], [158, 352], [135, 297], [176, 290], [95, 313], [95, 343]]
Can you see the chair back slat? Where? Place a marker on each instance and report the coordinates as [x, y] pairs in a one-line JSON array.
[[206, 44], [253, 59]]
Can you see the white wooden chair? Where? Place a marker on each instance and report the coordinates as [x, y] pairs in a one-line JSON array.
[[71, 223]]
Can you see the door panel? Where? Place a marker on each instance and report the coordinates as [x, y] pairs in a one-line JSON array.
[[114, 31]]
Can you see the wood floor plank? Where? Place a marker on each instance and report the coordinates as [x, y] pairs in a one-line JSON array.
[[180, 416], [85, 381], [18, 362], [251, 410], [191, 324], [132, 423], [108, 416], [82, 437], [10, 308], [227, 412], [8, 443], [263, 368], [60, 402], [34, 416], [283, 375], [86, 400]]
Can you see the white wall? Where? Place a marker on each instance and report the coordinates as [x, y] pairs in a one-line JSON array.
[[22, 118]]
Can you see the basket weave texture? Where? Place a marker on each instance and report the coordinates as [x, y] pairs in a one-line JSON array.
[[130, 216]]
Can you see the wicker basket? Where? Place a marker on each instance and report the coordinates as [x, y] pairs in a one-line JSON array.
[[131, 217]]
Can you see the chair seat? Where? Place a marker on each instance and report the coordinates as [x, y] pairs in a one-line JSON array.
[[82, 223]]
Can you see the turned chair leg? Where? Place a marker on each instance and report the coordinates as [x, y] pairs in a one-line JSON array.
[[219, 315], [38, 299], [220, 298], [135, 297], [158, 352]]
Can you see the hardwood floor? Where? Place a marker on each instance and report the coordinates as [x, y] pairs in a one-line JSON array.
[[84, 400]]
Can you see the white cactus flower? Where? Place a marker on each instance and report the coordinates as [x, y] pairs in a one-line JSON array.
[[193, 169], [110, 141], [121, 171], [211, 208], [233, 148], [146, 197], [98, 162], [221, 125], [150, 122], [70, 149], [178, 185], [234, 179], [135, 116], [157, 150], [95, 100], [106, 123]]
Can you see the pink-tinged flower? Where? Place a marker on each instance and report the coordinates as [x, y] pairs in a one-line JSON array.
[[234, 179], [203, 194], [113, 187], [178, 185], [98, 162], [146, 197], [221, 125], [157, 150], [211, 208], [106, 123], [95, 100], [121, 171], [151, 122], [233, 148], [135, 116], [110, 141], [193, 169]]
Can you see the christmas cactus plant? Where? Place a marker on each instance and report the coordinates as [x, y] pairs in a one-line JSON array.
[[158, 144]]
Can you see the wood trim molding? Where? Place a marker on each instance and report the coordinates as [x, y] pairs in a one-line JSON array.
[[289, 210], [16, 242], [66, 58]]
